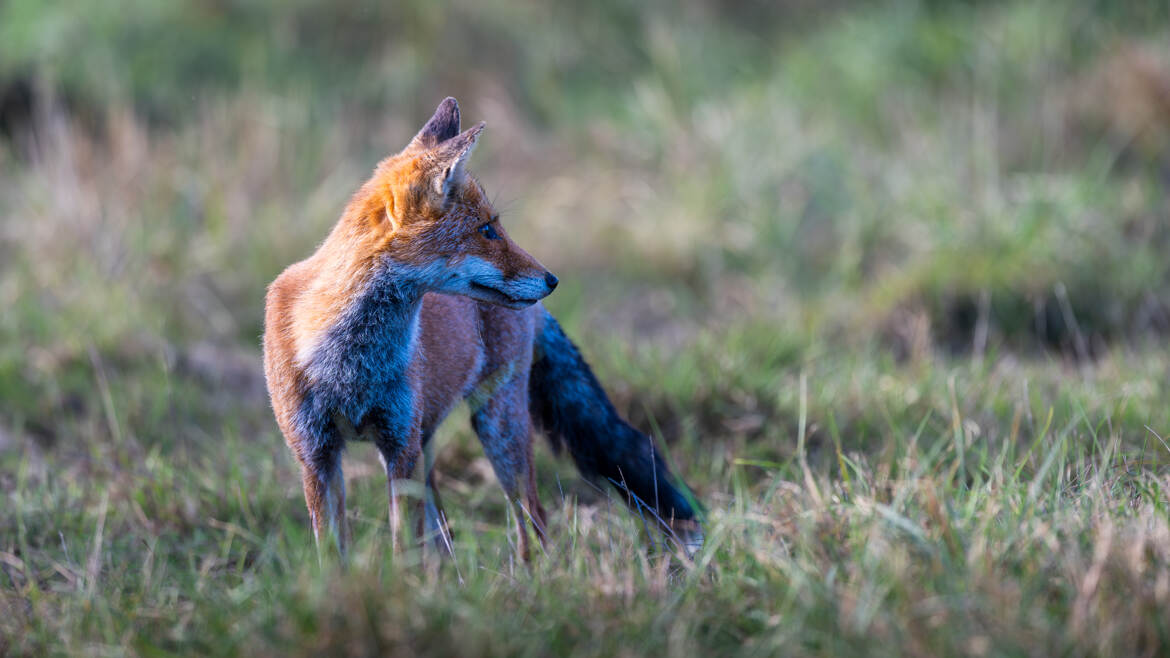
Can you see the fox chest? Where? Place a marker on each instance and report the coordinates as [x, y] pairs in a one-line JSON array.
[[360, 366]]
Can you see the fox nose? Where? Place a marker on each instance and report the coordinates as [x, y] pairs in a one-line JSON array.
[[550, 280]]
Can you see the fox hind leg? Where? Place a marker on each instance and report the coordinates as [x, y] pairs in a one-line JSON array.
[[504, 428]]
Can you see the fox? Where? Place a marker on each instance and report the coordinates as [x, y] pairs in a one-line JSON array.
[[416, 301]]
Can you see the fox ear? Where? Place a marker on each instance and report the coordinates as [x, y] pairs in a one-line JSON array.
[[450, 157], [443, 125]]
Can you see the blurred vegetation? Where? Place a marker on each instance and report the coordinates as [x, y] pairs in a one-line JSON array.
[[888, 279]]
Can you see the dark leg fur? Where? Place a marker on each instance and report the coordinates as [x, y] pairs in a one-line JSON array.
[[325, 496], [431, 520], [504, 430], [399, 465]]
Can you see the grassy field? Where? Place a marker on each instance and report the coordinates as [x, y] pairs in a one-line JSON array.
[[888, 281]]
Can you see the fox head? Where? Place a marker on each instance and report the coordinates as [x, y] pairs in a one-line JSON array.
[[433, 221]]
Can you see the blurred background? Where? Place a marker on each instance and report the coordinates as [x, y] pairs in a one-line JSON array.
[[926, 209], [731, 191]]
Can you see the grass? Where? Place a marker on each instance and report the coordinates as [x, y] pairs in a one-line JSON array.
[[1054, 540], [887, 282]]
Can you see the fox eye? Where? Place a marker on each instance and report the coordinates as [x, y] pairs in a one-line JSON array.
[[489, 232]]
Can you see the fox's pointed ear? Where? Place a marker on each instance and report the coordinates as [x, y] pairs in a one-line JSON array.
[[443, 125], [450, 157]]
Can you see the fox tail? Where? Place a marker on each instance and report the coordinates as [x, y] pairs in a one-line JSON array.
[[568, 404]]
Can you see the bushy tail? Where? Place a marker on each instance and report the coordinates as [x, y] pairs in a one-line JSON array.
[[568, 404]]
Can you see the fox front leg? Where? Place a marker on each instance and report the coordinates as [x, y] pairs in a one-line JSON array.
[[324, 487], [398, 462], [432, 525]]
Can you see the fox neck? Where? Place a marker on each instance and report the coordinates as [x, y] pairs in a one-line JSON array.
[[387, 306], [361, 261], [361, 363], [369, 302], [352, 267]]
